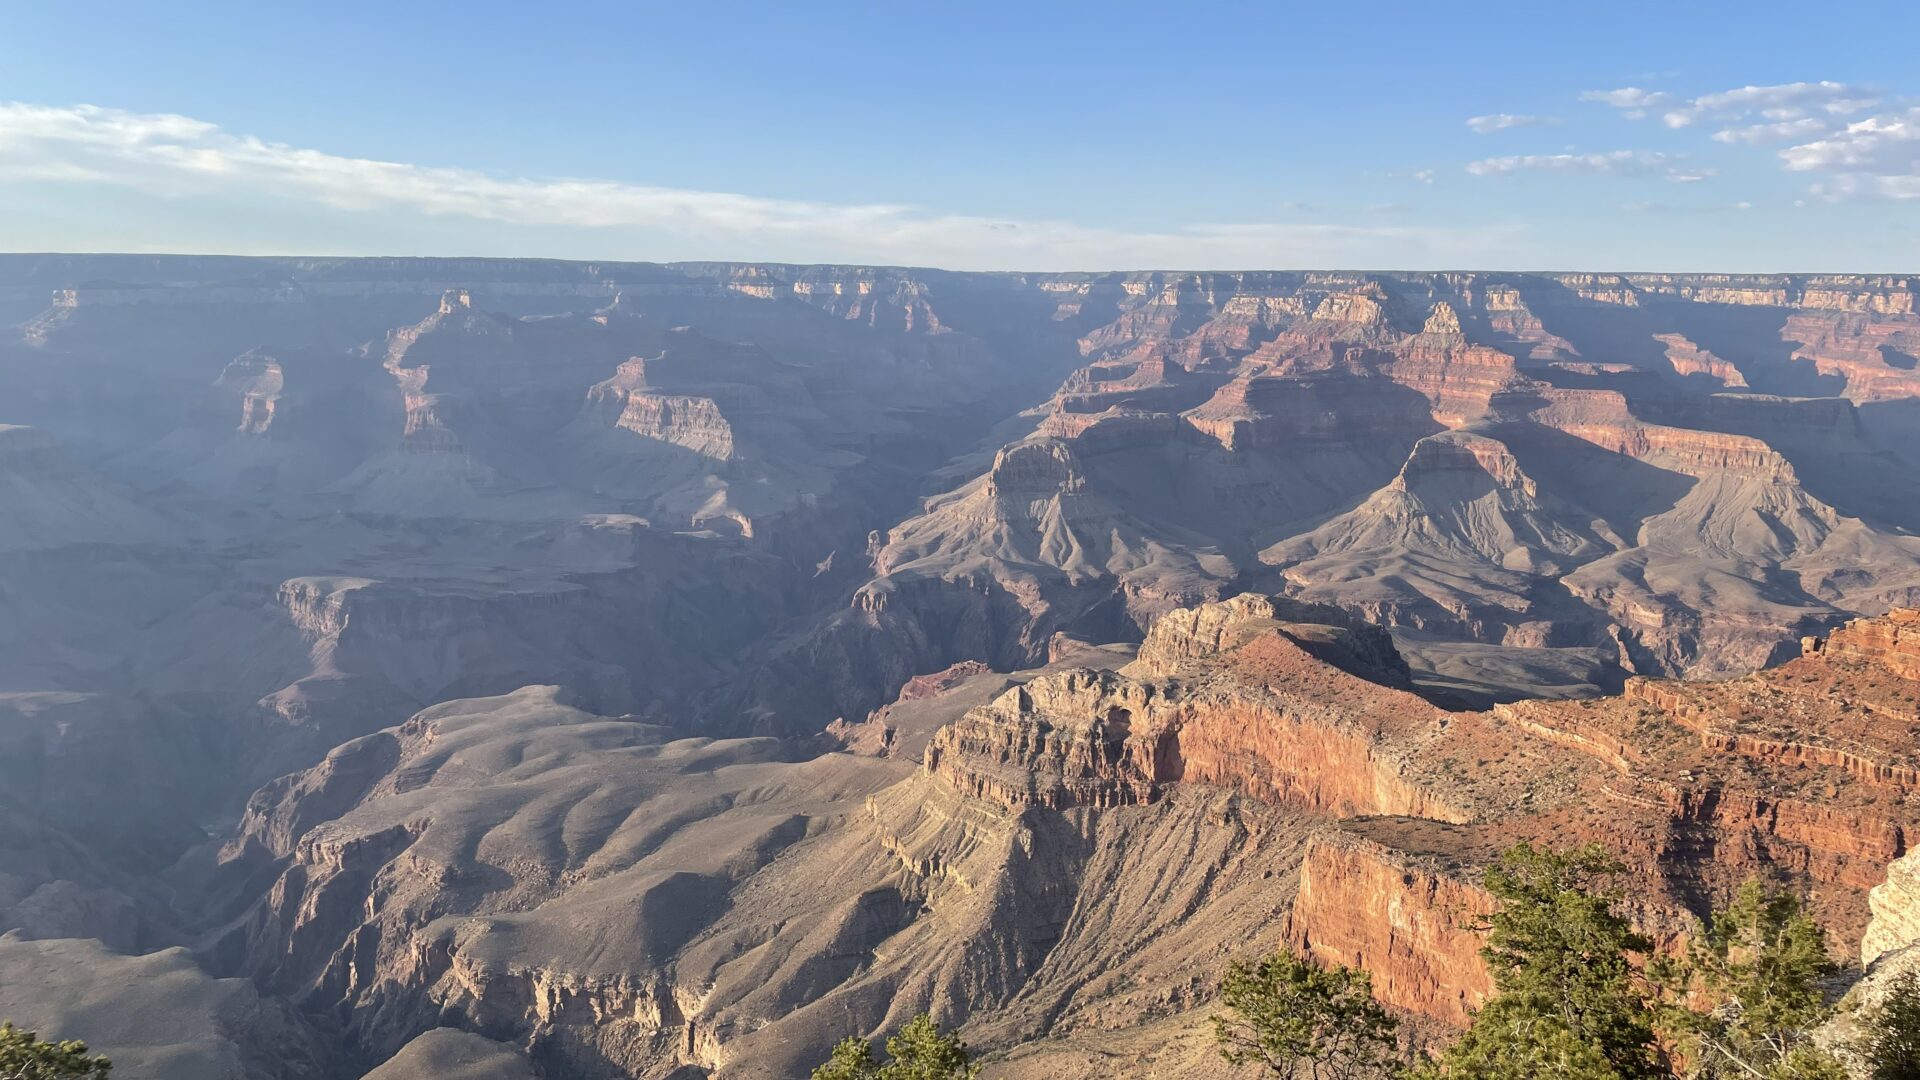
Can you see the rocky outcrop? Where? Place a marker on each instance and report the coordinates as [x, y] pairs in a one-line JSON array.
[[1871, 358], [1104, 739], [1896, 910], [1238, 784], [1892, 642], [1688, 358]]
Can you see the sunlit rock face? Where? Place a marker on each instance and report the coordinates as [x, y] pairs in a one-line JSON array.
[[1653, 474], [612, 895], [1031, 611]]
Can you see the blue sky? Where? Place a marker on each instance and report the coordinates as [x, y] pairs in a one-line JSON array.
[[1675, 136]]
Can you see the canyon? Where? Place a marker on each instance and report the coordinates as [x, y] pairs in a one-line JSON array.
[[515, 668]]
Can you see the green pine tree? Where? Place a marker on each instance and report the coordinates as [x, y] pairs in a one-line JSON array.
[[1569, 1004], [852, 1060], [1747, 996], [24, 1057], [919, 1052], [922, 1052], [1891, 1047], [1303, 1022]]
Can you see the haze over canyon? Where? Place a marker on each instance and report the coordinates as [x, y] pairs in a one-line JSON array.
[[471, 669]]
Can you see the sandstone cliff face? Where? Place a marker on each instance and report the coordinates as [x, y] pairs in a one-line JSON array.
[[1684, 780], [1367, 906], [708, 904]]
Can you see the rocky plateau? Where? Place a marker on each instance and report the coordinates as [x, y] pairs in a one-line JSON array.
[[464, 668]]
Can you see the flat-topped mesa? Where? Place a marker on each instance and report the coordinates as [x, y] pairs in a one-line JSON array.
[[1208, 630], [1603, 418], [1508, 314], [1465, 452], [1690, 358], [257, 380], [1140, 384], [1039, 468], [1266, 411], [457, 316], [692, 423], [1405, 917]]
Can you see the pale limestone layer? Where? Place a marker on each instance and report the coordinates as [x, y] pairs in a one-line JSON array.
[[1896, 910]]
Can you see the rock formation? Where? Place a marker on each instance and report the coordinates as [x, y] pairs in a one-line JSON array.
[[1070, 862], [285, 539]]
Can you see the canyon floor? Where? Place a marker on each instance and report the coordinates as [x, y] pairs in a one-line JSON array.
[[462, 668]]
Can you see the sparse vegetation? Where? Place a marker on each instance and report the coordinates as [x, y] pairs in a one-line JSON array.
[[1303, 1022], [24, 1056], [921, 1051], [1569, 1003], [1580, 997], [1891, 1046], [1745, 999]]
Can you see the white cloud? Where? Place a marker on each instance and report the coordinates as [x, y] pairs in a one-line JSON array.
[[1613, 163], [1487, 125], [179, 157], [1874, 156], [1689, 209], [1886, 144], [1777, 132], [1632, 101], [1877, 156], [1782, 101], [1629, 97]]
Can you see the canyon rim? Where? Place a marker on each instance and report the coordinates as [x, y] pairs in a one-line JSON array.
[[875, 541], [505, 668]]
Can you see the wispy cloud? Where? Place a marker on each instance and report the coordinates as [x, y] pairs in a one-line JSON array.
[[179, 157], [1487, 125], [1778, 131], [1782, 101], [1777, 102], [1879, 155], [1613, 163], [1654, 207], [1630, 100], [1817, 124]]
